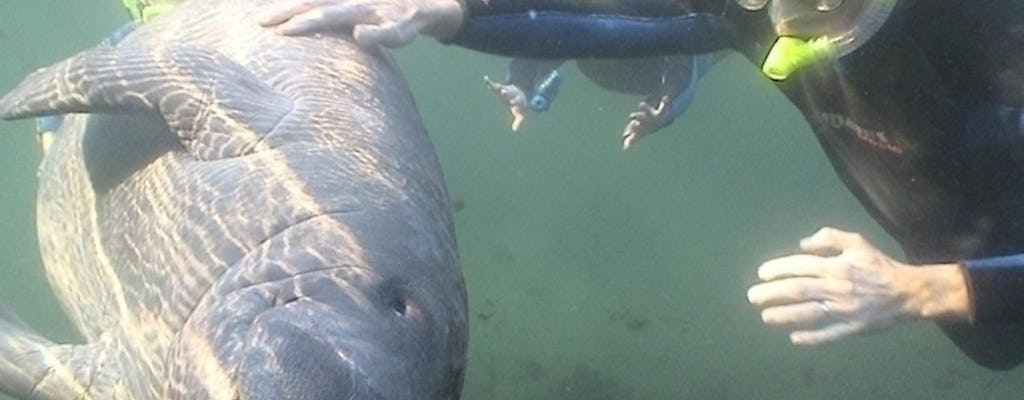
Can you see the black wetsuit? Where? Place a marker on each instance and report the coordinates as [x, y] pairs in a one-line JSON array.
[[574, 29], [923, 123]]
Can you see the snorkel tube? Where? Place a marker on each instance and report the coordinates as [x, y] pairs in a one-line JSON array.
[[814, 30]]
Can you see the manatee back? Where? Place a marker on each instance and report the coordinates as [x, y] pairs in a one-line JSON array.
[[150, 226]]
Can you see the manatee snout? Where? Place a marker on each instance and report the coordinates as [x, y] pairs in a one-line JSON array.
[[285, 362], [369, 340]]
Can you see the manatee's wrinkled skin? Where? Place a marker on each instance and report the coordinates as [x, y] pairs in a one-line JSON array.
[[242, 215]]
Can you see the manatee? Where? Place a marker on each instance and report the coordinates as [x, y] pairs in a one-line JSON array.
[[228, 213]]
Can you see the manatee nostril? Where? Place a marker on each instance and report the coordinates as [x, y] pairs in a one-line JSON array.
[[399, 306], [394, 297], [280, 298]]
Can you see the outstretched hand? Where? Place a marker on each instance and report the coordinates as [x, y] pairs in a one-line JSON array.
[[512, 96], [645, 121], [842, 286], [389, 23]]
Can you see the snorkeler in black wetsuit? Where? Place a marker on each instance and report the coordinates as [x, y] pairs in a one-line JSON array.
[[923, 124], [917, 103]]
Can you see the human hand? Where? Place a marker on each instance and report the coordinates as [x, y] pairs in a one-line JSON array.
[[843, 286], [389, 23], [512, 96], [645, 121]]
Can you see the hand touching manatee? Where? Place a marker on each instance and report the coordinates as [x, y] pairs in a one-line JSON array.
[[389, 23], [842, 285]]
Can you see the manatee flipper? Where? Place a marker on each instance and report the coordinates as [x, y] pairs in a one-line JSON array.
[[33, 367], [217, 107]]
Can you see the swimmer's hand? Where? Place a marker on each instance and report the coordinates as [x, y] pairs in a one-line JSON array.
[[389, 23], [512, 96], [647, 120], [842, 286]]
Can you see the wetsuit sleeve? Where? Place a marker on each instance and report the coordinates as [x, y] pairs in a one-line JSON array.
[[996, 287], [560, 29], [996, 284]]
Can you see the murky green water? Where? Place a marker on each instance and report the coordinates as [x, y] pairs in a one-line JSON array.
[[592, 273]]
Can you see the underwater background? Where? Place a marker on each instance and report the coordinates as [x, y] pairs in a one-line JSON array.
[[592, 273]]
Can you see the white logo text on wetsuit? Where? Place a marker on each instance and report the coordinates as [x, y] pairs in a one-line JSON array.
[[877, 139]]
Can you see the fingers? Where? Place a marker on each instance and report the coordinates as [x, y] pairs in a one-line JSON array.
[[800, 265], [513, 97], [649, 110], [518, 116], [310, 16], [283, 11], [660, 109], [305, 23], [391, 34], [806, 313], [643, 122], [840, 287], [796, 290], [805, 302], [372, 22], [396, 33], [828, 334], [631, 134], [828, 241]]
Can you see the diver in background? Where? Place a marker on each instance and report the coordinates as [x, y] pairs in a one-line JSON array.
[[668, 84], [917, 104]]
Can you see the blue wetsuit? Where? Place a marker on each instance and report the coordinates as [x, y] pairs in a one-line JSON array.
[[923, 123]]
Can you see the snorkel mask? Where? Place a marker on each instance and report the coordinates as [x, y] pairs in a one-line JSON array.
[[813, 30]]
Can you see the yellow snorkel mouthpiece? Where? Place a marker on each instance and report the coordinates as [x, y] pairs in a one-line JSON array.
[[789, 54], [838, 27], [143, 11]]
